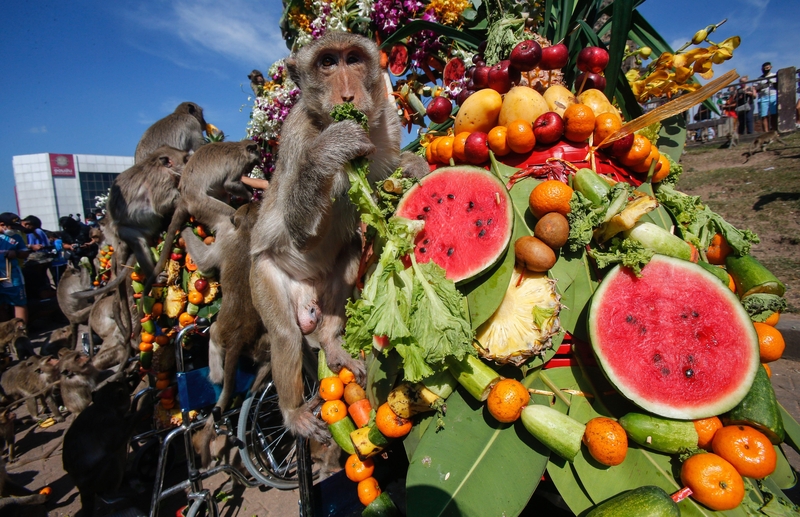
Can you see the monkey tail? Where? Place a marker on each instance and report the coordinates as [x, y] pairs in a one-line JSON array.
[[179, 218], [121, 277]]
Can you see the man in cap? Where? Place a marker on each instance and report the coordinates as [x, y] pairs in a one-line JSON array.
[[13, 252]]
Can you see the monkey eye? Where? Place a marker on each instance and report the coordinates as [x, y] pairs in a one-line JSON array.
[[353, 59], [327, 60]]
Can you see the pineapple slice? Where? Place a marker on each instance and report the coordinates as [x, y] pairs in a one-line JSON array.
[[175, 301], [173, 272], [211, 292], [512, 335]]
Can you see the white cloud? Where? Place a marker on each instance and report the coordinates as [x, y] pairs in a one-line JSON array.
[[38, 130], [237, 29]]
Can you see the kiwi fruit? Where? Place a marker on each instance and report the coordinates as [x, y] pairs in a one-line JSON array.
[[534, 254], [552, 229]]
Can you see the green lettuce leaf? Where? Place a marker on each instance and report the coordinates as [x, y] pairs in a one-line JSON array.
[[627, 252], [761, 305]]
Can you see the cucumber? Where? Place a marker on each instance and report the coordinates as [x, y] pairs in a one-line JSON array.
[[752, 277], [382, 506], [715, 270], [561, 433], [644, 501], [323, 372], [660, 434], [362, 440], [340, 431], [472, 373], [138, 287], [441, 383], [759, 409], [592, 186]]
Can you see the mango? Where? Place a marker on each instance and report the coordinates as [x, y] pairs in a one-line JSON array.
[[479, 112], [523, 103], [559, 98], [596, 100]]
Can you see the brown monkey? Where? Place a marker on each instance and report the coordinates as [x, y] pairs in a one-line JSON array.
[[181, 129], [102, 322], [29, 377], [306, 242], [96, 444], [761, 143], [14, 339], [78, 379], [256, 82], [74, 280], [212, 173], [59, 338], [8, 433]]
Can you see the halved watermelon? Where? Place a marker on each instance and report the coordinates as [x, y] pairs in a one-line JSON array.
[[468, 220], [675, 341]]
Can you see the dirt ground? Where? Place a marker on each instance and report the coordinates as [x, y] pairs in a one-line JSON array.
[[760, 193]]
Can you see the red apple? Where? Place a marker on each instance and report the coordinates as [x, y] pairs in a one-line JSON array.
[[592, 59], [462, 95], [439, 109], [201, 284], [526, 55], [593, 80], [476, 148], [621, 146], [503, 76], [548, 128], [555, 56], [480, 77]]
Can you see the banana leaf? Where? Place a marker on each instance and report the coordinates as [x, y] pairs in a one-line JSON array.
[[792, 429], [660, 216], [783, 476], [475, 466], [382, 372], [622, 15], [672, 137]]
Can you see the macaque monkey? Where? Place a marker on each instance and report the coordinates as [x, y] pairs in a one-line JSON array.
[[96, 444], [140, 199], [761, 143], [78, 379], [256, 82], [103, 323], [181, 129], [8, 433], [14, 338], [29, 377], [74, 280], [12, 493], [306, 244], [212, 174]]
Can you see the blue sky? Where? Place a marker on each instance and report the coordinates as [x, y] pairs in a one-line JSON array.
[[88, 77]]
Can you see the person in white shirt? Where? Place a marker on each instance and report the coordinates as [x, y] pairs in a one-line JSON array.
[[768, 98]]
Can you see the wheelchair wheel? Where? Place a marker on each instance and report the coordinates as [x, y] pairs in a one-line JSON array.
[[269, 451]]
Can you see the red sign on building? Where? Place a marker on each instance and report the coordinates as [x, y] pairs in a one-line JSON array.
[[62, 165]]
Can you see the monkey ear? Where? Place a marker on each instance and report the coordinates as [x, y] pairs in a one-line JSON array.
[[252, 148], [62, 352], [192, 109], [294, 73]]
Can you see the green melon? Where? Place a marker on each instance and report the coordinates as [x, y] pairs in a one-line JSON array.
[[675, 341]]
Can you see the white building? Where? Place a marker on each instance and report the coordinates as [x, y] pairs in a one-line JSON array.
[[50, 185]]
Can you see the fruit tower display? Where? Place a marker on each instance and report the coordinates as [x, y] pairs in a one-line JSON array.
[[614, 326]]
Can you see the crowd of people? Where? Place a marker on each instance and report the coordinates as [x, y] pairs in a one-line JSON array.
[[32, 259]]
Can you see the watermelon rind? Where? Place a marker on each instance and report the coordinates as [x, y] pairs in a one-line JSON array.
[[469, 220], [651, 343]]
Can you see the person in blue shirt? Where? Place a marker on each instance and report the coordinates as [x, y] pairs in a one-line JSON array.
[[12, 251], [38, 285], [37, 239]]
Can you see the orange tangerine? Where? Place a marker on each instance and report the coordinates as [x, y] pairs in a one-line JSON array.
[[357, 470], [638, 152], [706, 429], [332, 411], [550, 196], [606, 441], [770, 342], [713, 480], [185, 319], [346, 376], [644, 167], [458, 147], [429, 152], [390, 424], [498, 142], [605, 124], [718, 250], [773, 319], [747, 449], [579, 122], [444, 149], [507, 399], [331, 388], [368, 490], [662, 169], [520, 136]]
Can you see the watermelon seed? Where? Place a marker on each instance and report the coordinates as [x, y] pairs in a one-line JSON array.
[[489, 221], [440, 200], [630, 319], [689, 373], [420, 216], [695, 314], [656, 358], [665, 371], [450, 251], [426, 241], [433, 195], [426, 209], [478, 223], [642, 330], [451, 196], [690, 358], [470, 206], [483, 232], [422, 250], [684, 316]]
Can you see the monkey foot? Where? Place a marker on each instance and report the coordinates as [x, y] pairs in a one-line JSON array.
[[302, 422]]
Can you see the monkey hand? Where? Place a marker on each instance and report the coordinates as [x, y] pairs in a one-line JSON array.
[[413, 165], [337, 358], [342, 142], [302, 422]]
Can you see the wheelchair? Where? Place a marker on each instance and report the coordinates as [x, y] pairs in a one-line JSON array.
[[271, 454]]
